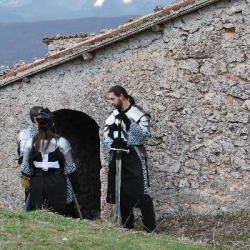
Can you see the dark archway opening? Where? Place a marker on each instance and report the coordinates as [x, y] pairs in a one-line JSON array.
[[83, 134]]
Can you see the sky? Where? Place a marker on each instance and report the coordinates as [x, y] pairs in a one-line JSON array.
[[25, 43], [39, 10], [99, 3]]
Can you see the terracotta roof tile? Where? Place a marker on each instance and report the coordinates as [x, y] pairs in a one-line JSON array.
[[103, 39]]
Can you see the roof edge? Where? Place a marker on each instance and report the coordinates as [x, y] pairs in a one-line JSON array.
[[123, 31]]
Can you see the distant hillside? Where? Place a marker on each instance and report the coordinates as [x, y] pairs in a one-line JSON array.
[[37, 10], [23, 41]]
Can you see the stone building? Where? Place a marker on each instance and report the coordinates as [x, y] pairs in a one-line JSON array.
[[188, 64]]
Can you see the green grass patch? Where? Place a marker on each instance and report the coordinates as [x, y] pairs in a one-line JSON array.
[[44, 230]]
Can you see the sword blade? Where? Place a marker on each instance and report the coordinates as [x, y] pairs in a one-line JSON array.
[[118, 187], [77, 206]]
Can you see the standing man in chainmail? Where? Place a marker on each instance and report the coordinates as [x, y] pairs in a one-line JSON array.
[[23, 136], [134, 174]]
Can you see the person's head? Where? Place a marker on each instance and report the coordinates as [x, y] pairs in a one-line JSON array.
[[119, 98], [46, 120], [46, 125], [34, 112]]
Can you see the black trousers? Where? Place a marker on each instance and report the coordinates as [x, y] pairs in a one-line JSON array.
[[27, 201], [48, 191], [147, 210]]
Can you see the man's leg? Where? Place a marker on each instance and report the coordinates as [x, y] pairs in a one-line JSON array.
[[148, 215], [27, 201], [127, 217]]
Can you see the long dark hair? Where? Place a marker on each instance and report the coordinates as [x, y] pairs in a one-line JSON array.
[[42, 136], [46, 132], [118, 90]]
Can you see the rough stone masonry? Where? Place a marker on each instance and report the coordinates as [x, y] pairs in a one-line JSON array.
[[193, 76]]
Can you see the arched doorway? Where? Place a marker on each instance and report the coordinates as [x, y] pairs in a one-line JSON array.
[[83, 134]]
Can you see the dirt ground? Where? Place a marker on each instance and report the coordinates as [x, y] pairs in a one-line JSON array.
[[224, 232]]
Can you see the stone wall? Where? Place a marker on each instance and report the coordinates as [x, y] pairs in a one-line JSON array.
[[193, 76]]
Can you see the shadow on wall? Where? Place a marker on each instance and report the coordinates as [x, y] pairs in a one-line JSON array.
[[83, 134]]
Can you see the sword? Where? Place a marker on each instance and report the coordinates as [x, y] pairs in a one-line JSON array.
[[118, 177], [77, 206]]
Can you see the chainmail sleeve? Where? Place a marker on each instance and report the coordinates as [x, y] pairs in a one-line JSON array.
[[25, 166], [138, 133], [106, 145], [69, 167], [65, 148]]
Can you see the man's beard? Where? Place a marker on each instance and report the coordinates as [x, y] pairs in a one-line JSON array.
[[118, 105]]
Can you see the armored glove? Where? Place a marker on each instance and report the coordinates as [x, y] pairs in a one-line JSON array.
[[125, 119], [113, 127]]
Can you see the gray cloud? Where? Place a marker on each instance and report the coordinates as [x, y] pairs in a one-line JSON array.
[[13, 3]]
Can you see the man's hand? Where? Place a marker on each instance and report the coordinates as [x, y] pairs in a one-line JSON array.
[[125, 119], [119, 143]]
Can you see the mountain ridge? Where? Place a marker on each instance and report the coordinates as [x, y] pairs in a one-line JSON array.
[[36, 10], [23, 41]]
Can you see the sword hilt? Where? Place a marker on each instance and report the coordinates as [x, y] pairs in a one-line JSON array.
[[120, 149]]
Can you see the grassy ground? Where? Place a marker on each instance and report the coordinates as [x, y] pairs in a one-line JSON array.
[[43, 230]]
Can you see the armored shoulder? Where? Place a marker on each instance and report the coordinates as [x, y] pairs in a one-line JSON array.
[[64, 145], [111, 119], [137, 114], [28, 144], [24, 135]]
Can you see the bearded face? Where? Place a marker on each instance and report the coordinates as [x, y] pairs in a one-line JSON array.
[[114, 100]]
